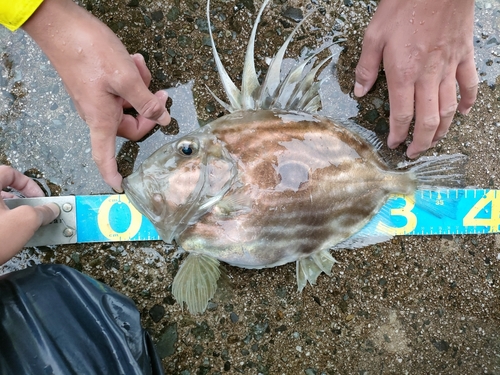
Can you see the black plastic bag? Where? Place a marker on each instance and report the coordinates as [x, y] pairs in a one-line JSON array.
[[55, 320]]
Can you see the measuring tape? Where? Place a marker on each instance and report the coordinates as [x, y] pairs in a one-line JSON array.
[[112, 218]]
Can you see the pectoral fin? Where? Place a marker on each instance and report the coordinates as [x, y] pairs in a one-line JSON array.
[[308, 269], [196, 282]]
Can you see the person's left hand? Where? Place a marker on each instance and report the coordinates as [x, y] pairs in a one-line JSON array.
[[426, 48], [17, 226]]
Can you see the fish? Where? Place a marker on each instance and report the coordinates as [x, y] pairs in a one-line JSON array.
[[272, 181]]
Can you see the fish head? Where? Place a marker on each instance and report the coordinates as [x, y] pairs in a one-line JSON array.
[[180, 182]]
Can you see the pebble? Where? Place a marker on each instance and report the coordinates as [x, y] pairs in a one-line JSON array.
[[371, 116], [157, 15], [234, 317], [310, 371], [184, 41], [198, 350], [294, 14], [202, 25], [166, 344], [157, 312], [441, 345], [382, 126], [212, 306], [173, 14]]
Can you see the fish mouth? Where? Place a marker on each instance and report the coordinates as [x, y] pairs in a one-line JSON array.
[[136, 199]]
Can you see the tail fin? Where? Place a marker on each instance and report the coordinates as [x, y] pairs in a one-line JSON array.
[[438, 172]]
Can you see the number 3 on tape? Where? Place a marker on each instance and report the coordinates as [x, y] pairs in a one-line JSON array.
[[405, 212], [105, 219]]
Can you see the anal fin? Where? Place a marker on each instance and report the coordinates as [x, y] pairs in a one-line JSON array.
[[308, 269], [196, 282]]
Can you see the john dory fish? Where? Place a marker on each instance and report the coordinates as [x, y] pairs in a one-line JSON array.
[[272, 182]]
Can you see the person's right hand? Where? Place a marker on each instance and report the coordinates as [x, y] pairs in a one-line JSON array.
[[18, 225], [101, 78]]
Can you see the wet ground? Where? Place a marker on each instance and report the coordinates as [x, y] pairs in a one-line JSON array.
[[412, 305]]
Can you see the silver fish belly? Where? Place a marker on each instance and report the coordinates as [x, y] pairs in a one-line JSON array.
[[272, 182]]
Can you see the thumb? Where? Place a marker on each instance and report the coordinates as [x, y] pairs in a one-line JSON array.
[[368, 66], [47, 213]]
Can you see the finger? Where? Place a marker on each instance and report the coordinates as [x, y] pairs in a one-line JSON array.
[[426, 118], [29, 219], [467, 82], [47, 213], [134, 128], [401, 99], [7, 195], [103, 144], [15, 179], [146, 104], [447, 107], [368, 65], [140, 63]]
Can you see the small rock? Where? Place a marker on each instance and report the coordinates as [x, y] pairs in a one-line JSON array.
[[198, 350], [212, 306], [157, 312], [173, 14], [294, 14], [166, 345], [110, 263], [234, 317], [381, 127], [441, 345], [281, 328], [184, 41], [169, 34], [233, 339], [157, 15], [371, 116], [202, 25], [349, 317]]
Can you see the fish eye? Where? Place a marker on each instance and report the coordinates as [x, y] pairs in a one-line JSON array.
[[187, 147]]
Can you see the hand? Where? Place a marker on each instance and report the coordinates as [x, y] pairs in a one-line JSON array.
[[17, 226], [426, 46], [101, 78]]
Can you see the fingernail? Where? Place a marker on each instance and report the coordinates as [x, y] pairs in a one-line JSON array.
[[359, 90], [412, 156], [117, 190], [55, 208], [392, 145]]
